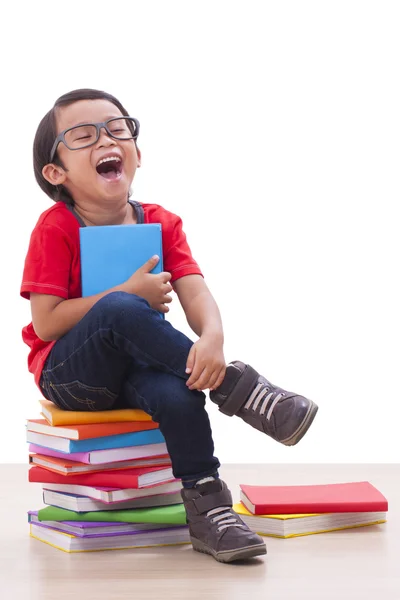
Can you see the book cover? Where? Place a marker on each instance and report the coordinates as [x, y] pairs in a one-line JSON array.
[[139, 438], [88, 431], [122, 479], [57, 416], [174, 514], [110, 254], [69, 467], [335, 497], [101, 457]]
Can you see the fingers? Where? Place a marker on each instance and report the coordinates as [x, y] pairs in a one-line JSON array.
[[162, 307], [167, 298], [202, 379], [165, 276], [191, 359], [213, 379], [197, 378], [217, 378], [150, 264], [167, 287]]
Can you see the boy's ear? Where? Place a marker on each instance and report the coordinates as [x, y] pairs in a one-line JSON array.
[[54, 174], [139, 155]]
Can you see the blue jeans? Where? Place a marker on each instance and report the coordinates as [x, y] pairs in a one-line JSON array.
[[123, 354]]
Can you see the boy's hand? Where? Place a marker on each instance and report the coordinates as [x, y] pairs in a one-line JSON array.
[[206, 363], [152, 287]]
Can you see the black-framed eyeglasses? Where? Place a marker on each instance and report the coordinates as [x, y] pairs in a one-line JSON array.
[[87, 134]]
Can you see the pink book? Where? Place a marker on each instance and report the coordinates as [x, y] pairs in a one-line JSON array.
[[78, 456]]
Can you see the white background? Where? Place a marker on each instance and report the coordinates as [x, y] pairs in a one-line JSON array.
[[273, 129]]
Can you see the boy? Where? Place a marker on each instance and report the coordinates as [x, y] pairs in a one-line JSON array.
[[112, 349]]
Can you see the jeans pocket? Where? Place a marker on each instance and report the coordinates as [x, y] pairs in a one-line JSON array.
[[79, 396]]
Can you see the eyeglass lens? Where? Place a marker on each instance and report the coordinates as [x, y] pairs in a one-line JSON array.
[[85, 135]]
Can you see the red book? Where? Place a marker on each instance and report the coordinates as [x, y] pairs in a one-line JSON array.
[[125, 479], [359, 496]]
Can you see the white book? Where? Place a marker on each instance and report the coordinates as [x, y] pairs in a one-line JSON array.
[[113, 495], [84, 504], [140, 539]]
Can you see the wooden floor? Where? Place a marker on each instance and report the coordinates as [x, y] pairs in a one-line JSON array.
[[355, 564]]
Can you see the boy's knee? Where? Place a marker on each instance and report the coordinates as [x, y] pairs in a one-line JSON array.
[[120, 310], [116, 304]]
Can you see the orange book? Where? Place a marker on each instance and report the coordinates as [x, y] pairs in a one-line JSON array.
[[57, 416], [88, 431], [71, 467]]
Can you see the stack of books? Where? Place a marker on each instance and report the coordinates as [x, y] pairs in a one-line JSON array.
[[291, 511], [107, 481]]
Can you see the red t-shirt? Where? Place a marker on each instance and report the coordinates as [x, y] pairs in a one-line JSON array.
[[53, 266]]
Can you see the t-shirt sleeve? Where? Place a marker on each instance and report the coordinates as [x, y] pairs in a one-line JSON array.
[[47, 263], [178, 259]]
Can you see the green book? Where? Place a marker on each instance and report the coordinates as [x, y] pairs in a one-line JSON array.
[[173, 514]]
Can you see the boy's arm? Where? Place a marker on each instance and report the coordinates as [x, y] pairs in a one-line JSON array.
[[200, 308], [53, 317], [206, 362]]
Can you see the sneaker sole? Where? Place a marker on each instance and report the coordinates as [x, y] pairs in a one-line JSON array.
[[229, 555], [303, 427]]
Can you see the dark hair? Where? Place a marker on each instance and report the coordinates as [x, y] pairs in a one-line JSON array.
[[46, 133]]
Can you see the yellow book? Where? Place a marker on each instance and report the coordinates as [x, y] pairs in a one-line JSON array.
[[57, 416], [288, 526]]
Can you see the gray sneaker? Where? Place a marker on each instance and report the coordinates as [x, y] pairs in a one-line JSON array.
[[214, 527], [282, 415]]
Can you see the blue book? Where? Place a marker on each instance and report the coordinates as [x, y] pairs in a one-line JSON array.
[[110, 254], [122, 440]]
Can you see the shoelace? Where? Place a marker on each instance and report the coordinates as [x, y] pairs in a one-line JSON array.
[[230, 520], [258, 394]]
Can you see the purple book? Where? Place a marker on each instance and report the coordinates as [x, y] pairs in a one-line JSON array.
[[86, 529]]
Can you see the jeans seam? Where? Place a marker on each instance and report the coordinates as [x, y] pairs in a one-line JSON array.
[[74, 352], [143, 400], [59, 398], [102, 388]]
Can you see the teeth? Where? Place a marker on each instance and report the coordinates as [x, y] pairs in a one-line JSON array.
[[108, 159]]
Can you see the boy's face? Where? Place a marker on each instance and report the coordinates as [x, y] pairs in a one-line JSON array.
[[80, 176]]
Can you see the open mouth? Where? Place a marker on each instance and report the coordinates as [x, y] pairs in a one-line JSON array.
[[109, 168]]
